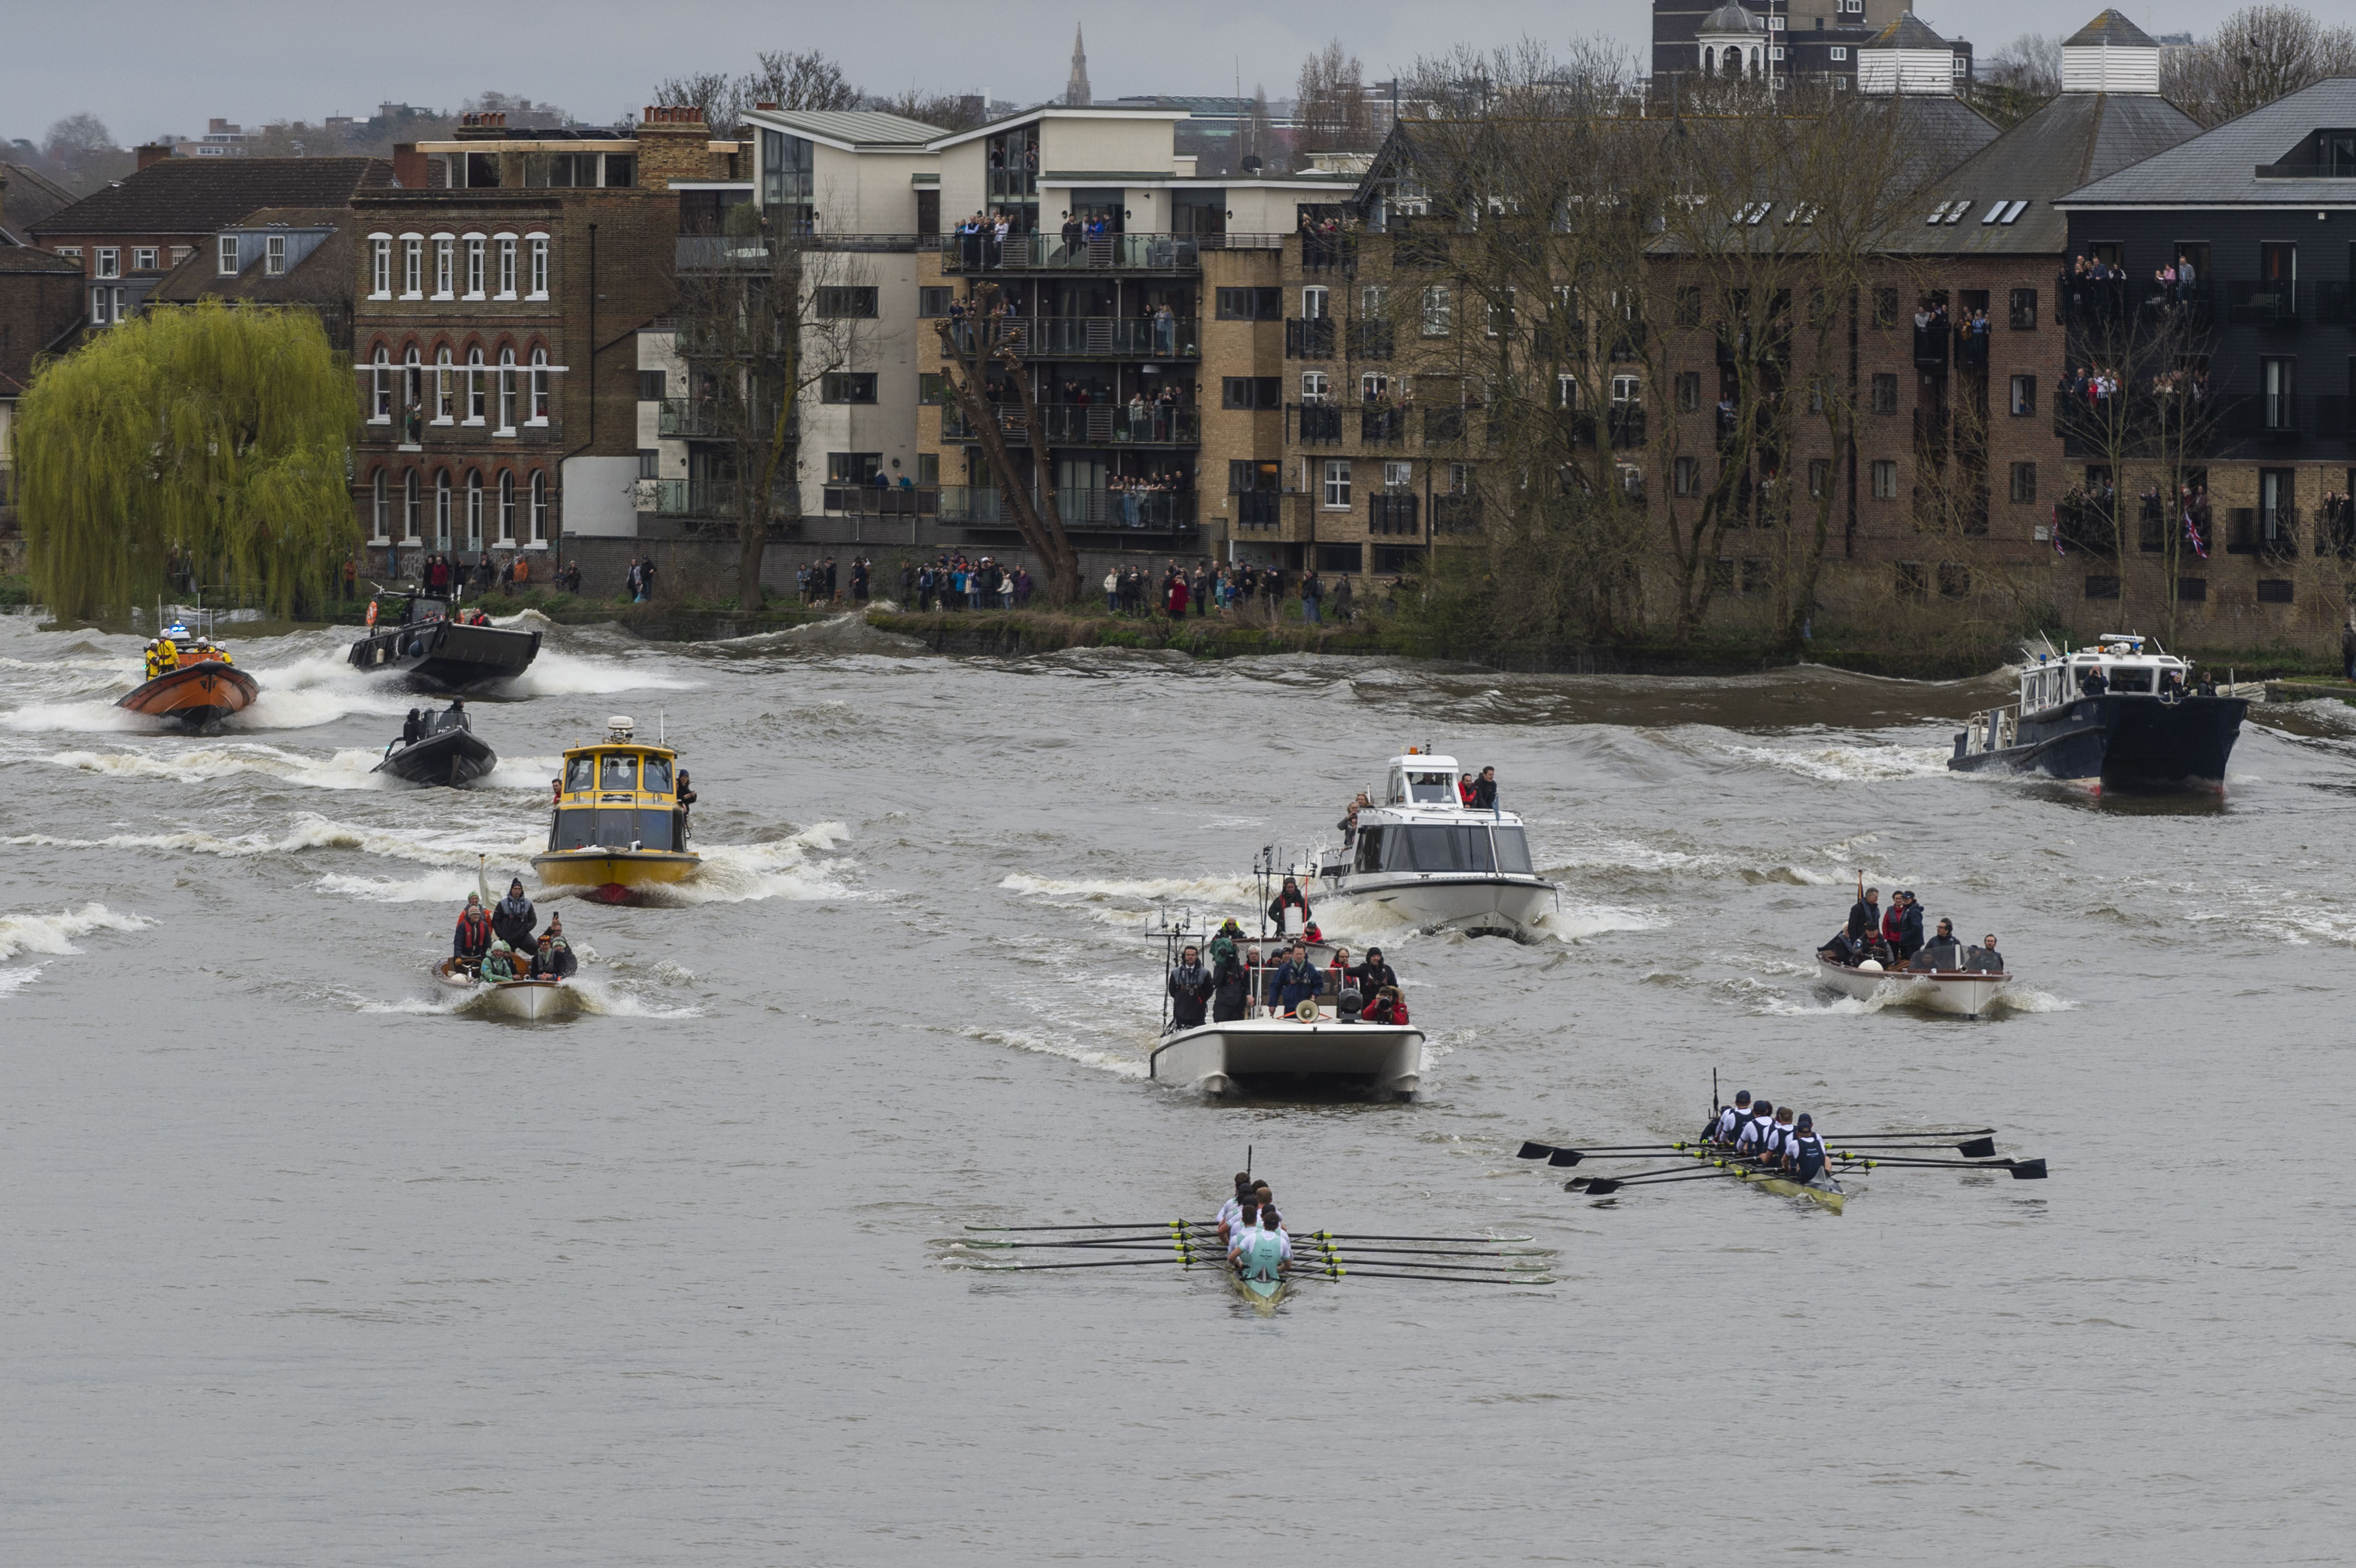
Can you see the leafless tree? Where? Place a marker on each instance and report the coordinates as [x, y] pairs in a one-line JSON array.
[[2256, 56], [981, 344], [950, 110], [1330, 108], [797, 79]]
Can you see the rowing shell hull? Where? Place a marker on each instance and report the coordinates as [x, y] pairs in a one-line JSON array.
[[1830, 1197], [1261, 1294], [1965, 993], [195, 694], [1213, 1056], [528, 1000]]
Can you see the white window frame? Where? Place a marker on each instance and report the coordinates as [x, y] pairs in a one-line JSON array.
[[380, 385], [143, 258], [1884, 467], [413, 266], [70, 252], [379, 266], [476, 398], [539, 510], [379, 509], [538, 277], [98, 304], [445, 266], [1399, 476], [273, 255], [506, 249], [443, 372], [1316, 387], [506, 425], [181, 253], [109, 261], [507, 510], [1314, 301], [1439, 311], [474, 511], [442, 505], [537, 411], [413, 507], [1335, 485], [1627, 390], [476, 265], [413, 383], [1838, 53], [1565, 390]]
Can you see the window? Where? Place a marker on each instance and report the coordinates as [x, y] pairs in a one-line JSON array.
[[473, 266], [621, 170], [853, 467], [142, 259], [1373, 385], [1837, 54], [1252, 392], [1954, 579], [1626, 390], [1885, 393], [1820, 477], [412, 507], [932, 303], [380, 388], [2023, 310], [379, 267], [70, 252], [1314, 388], [413, 380], [2274, 591], [1885, 479], [98, 307], [2279, 394], [847, 386], [2024, 484], [474, 511], [1776, 51], [1438, 312], [651, 388], [506, 508], [1885, 307], [1338, 484], [442, 509], [507, 267], [1565, 390], [474, 386], [1374, 301], [540, 385], [2193, 590], [506, 391], [844, 303], [1249, 304], [1398, 475], [446, 267], [1248, 476], [1688, 307], [539, 268], [2024, 396], [442, 378], [540, 508], [1688, 392], [1685, 476], [1312, 303], [274, 256], [379, 507], [1912, 581], [109, 261], [413, 267], [649, 463], [2102, 588]]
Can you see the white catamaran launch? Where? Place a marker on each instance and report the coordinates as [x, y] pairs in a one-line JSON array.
[[1435, 861]]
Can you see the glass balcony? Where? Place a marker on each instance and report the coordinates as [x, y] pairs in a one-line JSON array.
[[1042, 251], [2267, 302], [1090, 424], [1089, 337]]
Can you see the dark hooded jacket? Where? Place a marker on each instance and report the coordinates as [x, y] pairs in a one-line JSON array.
[[514, 920], [1190, 988]]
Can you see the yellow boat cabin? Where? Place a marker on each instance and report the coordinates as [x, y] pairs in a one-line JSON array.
[[619, 823]]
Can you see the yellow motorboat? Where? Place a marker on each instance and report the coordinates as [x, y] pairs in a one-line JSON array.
[[619, 827]]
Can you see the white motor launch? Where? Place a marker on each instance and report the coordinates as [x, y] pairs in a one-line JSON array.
[[1424, 854]]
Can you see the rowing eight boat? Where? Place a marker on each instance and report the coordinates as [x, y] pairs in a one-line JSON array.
[[1830, 1195]]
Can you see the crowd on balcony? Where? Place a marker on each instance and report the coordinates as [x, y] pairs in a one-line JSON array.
[[1146, 500]]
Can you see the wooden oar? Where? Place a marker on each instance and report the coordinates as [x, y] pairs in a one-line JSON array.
[[1133, 1225], [1112, 1262], [1603, 1186], [2022, 1169], [1435, 1278]]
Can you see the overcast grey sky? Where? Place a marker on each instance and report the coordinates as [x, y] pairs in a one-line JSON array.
[[146, 67]]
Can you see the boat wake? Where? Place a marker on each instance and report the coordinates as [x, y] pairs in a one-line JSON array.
[[1575, 923], [348, 769], [555, 673], [310, 831], [53, 935], [1065, 1046], [318, 689], [1851, 764], [746, 873], [594, 999]]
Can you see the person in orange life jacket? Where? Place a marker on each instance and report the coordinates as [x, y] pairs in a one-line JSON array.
[[1388, 1008], [1464, 789], [1288, 897], [473, 938]]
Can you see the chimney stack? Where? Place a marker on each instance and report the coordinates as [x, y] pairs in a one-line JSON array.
[[674, 143], [153, 153], [408, 166]]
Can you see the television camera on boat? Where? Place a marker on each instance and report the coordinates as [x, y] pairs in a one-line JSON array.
[[619, 823], [2148, 726], [1420, 851]]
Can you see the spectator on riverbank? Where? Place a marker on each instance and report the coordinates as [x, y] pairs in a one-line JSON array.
[[1312, 597]]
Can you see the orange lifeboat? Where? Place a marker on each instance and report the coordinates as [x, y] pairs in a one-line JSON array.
[[190, 682]]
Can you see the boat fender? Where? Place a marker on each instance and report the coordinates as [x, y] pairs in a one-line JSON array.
[[1307, 1012], [1869, 967]]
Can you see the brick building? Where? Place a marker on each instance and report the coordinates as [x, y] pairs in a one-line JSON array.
[[278, 256], [40, 311]]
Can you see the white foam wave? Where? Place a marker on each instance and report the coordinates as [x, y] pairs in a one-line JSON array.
[[2029, 999], [1851, 764], [309, 831], [557, 674], [346, 770], [1572, 923], [78, 718], [54, 934], [597, 998], [783, 868], [1048, 1045], [434, 887], [15, 980], [318, 689]]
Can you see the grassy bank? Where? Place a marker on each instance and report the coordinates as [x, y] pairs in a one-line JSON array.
[[1015, 631]]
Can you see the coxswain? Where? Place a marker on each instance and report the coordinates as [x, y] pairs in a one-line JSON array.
[[1289, 897], [474, 936], [1803, 1153], [1753, 1133], [1729, 1120], [410, 728], [454, 717], [1234, 1207], [514, 920]]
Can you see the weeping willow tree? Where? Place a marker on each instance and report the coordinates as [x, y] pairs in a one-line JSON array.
[[215, 437]]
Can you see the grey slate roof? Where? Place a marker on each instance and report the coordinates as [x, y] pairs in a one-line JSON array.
[[860, 127], [31, 197], [197, 196], [1909, 32], [1940, 132], [2219, 166], [2077, 137], [2111, 28]]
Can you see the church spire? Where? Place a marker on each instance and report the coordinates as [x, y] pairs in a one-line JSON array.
[[1077, 90]]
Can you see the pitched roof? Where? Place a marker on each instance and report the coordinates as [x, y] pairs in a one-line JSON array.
[[2218, 168], [2111, 29], [31, 197], [854, 128], [2076, 137], [323, 275], [33, 258], [1909, 32], [197, 196]]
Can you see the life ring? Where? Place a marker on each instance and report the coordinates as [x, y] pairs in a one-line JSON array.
[[372, 612], [1307, 1012]]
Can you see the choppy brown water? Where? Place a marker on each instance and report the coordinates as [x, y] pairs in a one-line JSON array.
[[300, 1265]]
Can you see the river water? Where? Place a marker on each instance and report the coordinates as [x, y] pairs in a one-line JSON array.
[[301, 1264]]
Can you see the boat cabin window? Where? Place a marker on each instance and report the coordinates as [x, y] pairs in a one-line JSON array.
[[1433, 789], [2130, 678], [580, 774], [1438, 850], [1370, 849], [612, 828], [1514, 852], [1399, 788], [657, 775], [617, 771]]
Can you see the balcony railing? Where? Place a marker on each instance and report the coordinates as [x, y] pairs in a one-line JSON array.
[[1328, 252], [1626, 423], [694, 254], [1931, 347], [1089, 337], [2086, 522], [1319, 424], [2268, 301], [689, 417], [1454, 514], [879, 501], [1111, 252], [706, 498], [1382, 427], [1154, 511], [1258, 508], [1389, 512], [2269, 532], [2264, 416], [1090, 424], [1308, 338]]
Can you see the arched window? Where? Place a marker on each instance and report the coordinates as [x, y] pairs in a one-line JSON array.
[[1709, 62], [507, 389], [474, 511], [413, 381], [412, 506], [474, 386], [379, 508], [540, 385], [507, 510], [442, 389], [442, 509], [540, 508], [381, 387]]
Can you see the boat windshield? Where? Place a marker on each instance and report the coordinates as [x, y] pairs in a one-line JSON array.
[[1438, 850], [612, 828], [2130, 678], [1514, 852], [657, 775], [1433, 789], [617, 771], [580, 774]]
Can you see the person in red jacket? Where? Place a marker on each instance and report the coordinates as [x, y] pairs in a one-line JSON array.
[[1388, 1008]]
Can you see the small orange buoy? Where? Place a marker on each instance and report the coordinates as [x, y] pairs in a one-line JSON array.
[[372, 612]]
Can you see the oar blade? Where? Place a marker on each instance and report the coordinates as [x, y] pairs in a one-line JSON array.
[[1536, 1151], [2029, 1170], [1978, 1148], [1565, 1157], [1597, 1187]]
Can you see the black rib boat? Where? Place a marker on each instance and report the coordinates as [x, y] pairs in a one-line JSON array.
[[437, 651], [448, 752], [2147, 729]]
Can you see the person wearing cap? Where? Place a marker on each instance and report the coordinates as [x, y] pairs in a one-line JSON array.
[[500, 964], [473, 937], [1729, 1120], [1753, 1134], [1373, 974], [1804, 1152]]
